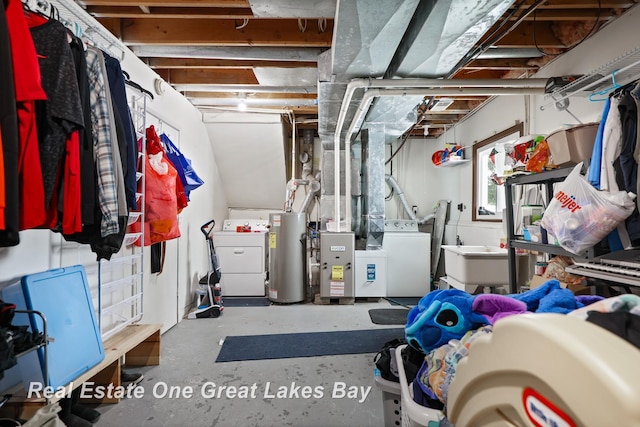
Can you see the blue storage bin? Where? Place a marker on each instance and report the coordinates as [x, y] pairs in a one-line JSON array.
[[64, 297]]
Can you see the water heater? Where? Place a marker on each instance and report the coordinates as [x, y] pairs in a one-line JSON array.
[[287, 264]]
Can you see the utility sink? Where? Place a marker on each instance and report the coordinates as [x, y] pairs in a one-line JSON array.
[[477, 265]]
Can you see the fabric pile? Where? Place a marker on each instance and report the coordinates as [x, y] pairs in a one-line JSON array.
[[446, 311]]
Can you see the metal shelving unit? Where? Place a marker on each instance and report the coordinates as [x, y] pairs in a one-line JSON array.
[[548, 179], [43, 345]]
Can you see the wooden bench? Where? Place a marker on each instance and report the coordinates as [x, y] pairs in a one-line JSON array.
[[139, 345]]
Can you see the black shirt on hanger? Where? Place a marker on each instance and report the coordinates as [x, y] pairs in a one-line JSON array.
[[61, 113]]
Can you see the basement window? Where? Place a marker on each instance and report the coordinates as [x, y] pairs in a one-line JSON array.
[[488, 174]]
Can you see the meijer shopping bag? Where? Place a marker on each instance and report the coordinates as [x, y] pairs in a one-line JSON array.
[[579, 216]]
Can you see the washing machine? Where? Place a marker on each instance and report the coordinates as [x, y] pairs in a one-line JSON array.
[[408, 259], [241, 247]]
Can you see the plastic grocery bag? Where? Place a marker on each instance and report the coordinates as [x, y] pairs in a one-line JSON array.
[[579, 216]]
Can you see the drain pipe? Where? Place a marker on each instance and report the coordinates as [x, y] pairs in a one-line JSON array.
[[488, 87]]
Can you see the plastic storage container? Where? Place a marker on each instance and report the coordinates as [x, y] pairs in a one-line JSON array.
[[390, 401], [572, 145], [64, 297], [477, 265], [413, 414]]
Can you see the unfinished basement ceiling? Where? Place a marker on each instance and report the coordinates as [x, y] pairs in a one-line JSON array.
[[273, 53]]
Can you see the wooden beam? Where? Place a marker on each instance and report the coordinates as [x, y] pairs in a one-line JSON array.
[[187, 63], [230, 95], [478, 74], [313, 111], [500, 64], [223, 32], [170, 12], [169, 3], [522, 36], [226, 77], [569, 15], [582, 4]]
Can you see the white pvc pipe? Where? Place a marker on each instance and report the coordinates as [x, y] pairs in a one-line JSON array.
[[401, 87]]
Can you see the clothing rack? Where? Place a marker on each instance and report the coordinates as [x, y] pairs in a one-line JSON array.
[[76, 19], [625, 69]]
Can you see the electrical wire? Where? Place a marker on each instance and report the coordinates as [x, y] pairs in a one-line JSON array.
[[404, 140], [589, 34], [457, 222], [490, 41]]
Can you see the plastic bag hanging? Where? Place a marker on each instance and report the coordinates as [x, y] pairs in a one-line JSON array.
[[188, 176], [579, 216]]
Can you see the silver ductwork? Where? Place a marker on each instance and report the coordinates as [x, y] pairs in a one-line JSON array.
[[407, 38], [372, 145]]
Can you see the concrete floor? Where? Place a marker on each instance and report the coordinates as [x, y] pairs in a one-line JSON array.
[[188, 356]]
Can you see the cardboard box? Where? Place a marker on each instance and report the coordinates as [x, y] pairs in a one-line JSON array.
[[572, 145], [537, 280]]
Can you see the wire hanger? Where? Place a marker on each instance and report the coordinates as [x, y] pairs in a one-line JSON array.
[[137, 86], [603, 95]]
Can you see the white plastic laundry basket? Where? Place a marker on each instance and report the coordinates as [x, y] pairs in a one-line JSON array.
[[413, 414]]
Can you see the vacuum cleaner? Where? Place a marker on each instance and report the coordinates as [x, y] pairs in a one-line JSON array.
[[209, 291]]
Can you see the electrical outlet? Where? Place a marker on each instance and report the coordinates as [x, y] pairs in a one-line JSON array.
[[460, 207]]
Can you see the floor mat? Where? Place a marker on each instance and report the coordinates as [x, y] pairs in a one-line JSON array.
[[284, 346], [245, 302], [389, 316], [404, 301]]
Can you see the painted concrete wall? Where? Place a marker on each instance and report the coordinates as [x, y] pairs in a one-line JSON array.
[[168, 294], [250, 152]]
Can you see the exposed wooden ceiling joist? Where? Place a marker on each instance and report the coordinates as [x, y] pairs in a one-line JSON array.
[[582, 4], [230, 95], [170, 12], [222, 32], [169, 3], [223, 77], [186, 63], [160, 31], [500, 64]]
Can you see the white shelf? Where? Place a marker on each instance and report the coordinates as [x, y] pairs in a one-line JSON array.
[[453, 163]]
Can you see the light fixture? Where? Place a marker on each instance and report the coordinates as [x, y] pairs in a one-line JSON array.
[[442, 104], [242, 102]]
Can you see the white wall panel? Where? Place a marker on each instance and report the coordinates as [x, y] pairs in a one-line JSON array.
[[249, 149]]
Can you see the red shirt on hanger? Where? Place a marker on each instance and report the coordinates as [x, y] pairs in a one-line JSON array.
[[28, 86]]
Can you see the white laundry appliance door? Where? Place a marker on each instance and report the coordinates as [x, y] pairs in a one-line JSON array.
[[408, 263], [242, 260]]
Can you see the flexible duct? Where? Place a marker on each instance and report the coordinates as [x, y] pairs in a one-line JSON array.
[[400, 87], [396, 187]]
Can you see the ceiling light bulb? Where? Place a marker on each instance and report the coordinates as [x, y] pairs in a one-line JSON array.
[[242, 106]]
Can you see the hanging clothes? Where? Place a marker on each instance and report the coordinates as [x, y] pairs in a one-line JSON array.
[[62, 113], [89, 180], [101, 130], [29, 202], [119, 100], [611, 138], [596, 155], [628, 165], [9, 141]]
